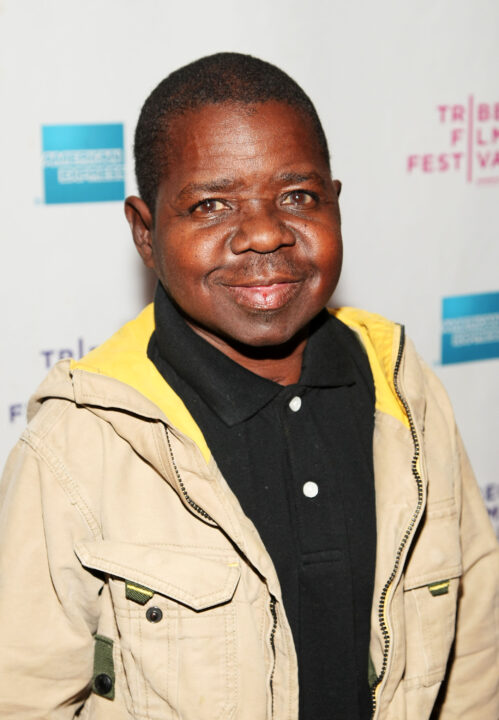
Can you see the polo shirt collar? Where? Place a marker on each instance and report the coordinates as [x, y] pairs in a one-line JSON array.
[[232, 392]]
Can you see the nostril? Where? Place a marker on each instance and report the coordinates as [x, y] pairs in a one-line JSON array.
[[262, 233]]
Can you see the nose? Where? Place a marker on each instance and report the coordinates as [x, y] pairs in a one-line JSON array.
[[260, 230]]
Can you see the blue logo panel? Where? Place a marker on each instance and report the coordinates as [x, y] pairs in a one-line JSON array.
[[83, 163], [470, 328]]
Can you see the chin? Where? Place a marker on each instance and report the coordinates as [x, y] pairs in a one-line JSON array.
[[269, 334]]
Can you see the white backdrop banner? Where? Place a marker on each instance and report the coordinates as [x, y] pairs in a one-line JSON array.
[[409, 99]]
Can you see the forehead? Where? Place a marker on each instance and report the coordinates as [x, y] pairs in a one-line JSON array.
[[239, 139]]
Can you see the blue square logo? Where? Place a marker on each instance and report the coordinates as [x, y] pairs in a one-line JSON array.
[[470, 328], [83, 163]]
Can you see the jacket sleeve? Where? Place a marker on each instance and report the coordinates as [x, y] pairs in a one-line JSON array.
[[48, 602], [471, 691]]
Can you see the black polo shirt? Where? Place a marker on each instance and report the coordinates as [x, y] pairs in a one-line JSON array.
[[299, 459]]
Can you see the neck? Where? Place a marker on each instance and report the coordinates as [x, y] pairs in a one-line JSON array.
[[281, 364]]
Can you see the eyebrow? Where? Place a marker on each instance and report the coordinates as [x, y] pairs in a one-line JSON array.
[[290, 178], [213, 186]]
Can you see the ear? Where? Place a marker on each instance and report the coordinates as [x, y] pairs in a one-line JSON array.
[[140, 220], [337, 187]]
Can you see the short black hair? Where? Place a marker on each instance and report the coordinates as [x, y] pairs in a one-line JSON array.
[[223, 77]]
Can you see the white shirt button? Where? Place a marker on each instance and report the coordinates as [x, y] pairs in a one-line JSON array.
[[310, 489], [295, 403]]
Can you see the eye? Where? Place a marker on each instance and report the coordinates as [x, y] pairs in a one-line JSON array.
[[299, 199], [208, 207]]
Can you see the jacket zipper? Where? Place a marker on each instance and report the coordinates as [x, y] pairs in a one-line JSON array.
[[186, 495], [273, 612], [415, 471]]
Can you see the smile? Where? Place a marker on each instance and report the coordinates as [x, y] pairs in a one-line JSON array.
[[271, 296]]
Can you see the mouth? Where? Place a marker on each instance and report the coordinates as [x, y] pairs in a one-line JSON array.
[[260, 294]]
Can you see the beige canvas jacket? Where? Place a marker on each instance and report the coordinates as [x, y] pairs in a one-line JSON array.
[[133, 586]]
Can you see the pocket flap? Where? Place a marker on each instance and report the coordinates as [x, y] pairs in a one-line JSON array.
[[433, 580], [198, 582]]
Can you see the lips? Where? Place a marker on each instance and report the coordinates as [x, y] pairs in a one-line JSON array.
[[264, 295]]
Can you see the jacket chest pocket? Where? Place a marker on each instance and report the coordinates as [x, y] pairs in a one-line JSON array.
[[431, 593], [176, 626]]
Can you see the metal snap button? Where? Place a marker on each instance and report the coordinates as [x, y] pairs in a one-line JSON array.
[[154, 614], [103, 684]]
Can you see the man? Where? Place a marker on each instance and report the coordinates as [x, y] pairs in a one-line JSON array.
[[242, 506]]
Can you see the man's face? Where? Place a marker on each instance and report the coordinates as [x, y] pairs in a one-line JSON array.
[[246, 231]]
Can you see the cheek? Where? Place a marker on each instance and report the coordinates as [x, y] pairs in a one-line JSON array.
[[190, 253], [184, 267], [175, 259], [328, 257]]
